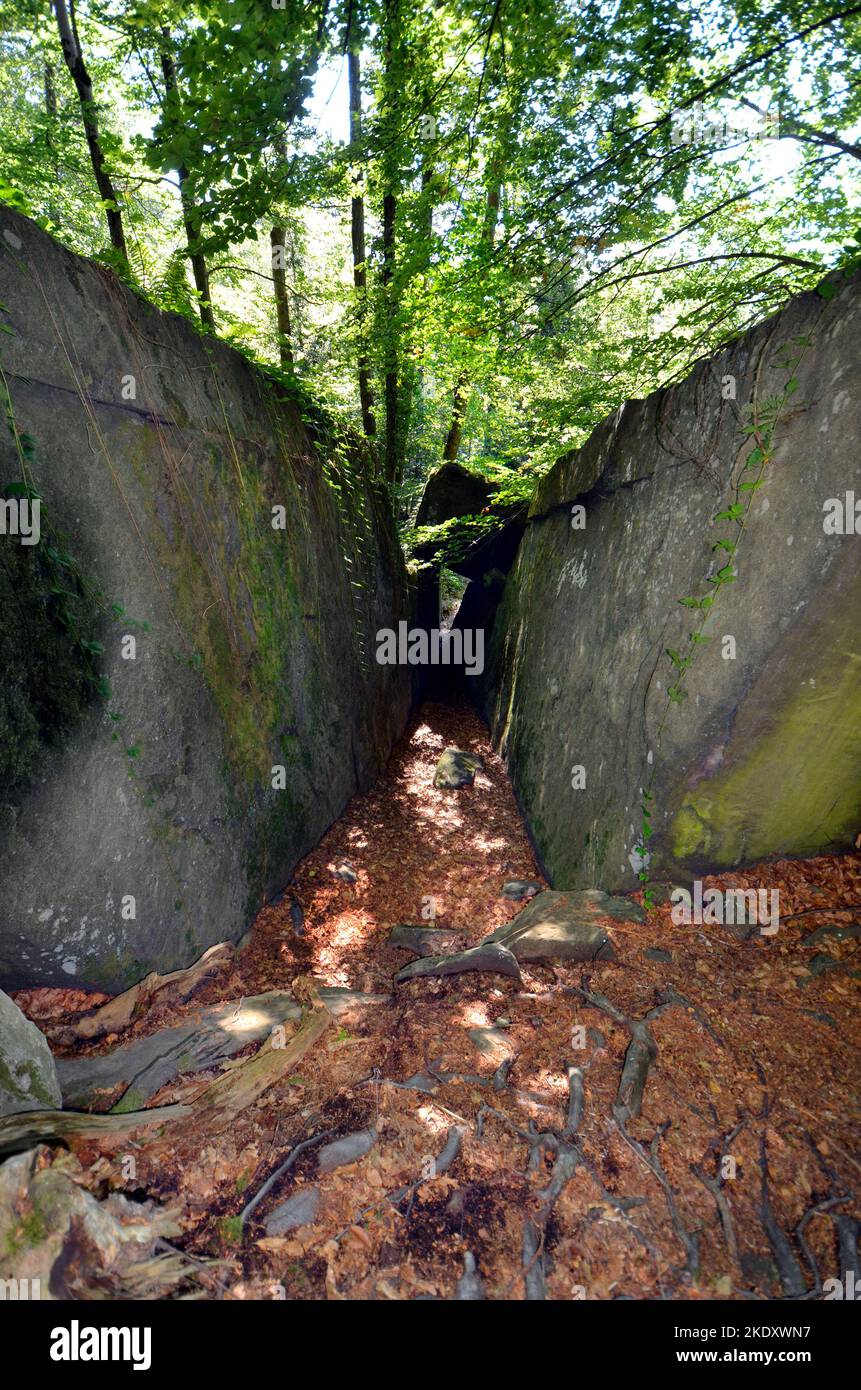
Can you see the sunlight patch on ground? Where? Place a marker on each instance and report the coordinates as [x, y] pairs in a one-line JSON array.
[[474, 1015], [245, 1021], [432, 1119]]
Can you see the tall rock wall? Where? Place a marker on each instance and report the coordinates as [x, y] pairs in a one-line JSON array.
[[762, 755], [140, 824]]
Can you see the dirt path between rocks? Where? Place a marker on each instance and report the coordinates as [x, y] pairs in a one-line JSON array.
[[739, 1177]]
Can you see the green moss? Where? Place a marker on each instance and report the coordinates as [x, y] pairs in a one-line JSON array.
[[791, 779], [12, 1084], [113, 972], [33, 1229], [230, 1229], [30, 1231], [49, 677], [132, 1100]]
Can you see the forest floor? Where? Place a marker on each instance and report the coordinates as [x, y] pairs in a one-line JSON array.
[[730, 1182]]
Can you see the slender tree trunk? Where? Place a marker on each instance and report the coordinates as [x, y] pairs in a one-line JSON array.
[[191, 217], [278, 233], [83, 85], [392, 57], [460, 403], [50, 132], [455, 431], [278, 239], [391, 392], [357, 232], [278, 242], [50, 92]]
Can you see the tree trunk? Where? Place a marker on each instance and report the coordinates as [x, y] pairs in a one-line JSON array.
[[461, 401], [50, 133], [392, 455], [392, 81], [75, 63], [278, 239], [357, 232], [462, 389], [190, 212]]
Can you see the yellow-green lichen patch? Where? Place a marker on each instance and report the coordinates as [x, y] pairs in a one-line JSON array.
[[790, 781]]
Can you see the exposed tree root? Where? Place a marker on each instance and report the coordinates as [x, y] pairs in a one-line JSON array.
[[789, 1270]]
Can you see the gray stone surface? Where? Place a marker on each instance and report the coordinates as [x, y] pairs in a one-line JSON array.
[[347, 1150], [257, 649], [764, 756], [564, 926], [299, 1210], [456, 768], [422, 941], [28, 1075], [521, 889], [452, 491], [492, 1043]]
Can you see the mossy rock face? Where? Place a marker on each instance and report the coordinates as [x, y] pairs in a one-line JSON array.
[[788, 781], [28, 1076], [762, 758], [245, 705], [48, 677]]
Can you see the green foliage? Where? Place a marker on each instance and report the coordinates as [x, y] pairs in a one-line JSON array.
[[578, 217]]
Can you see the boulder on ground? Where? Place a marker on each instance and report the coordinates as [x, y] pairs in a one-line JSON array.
[[28, 1076], [300, 1209], [452, 491], [422, 941], [492, 1043], [564, 926], [521, 889], [456, 768], [347, 1150]]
